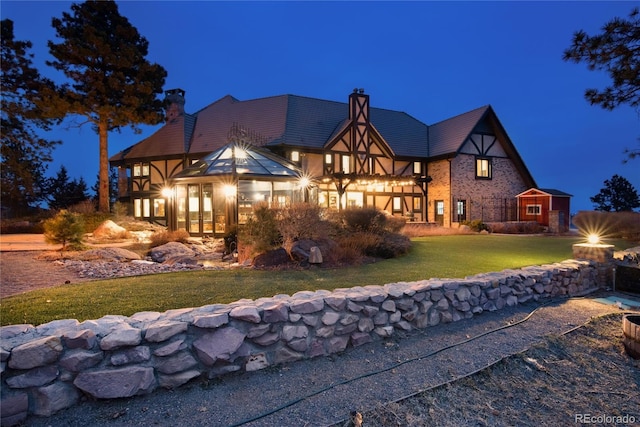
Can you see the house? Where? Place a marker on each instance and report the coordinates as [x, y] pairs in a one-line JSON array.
[[351, 153], [545, 206]]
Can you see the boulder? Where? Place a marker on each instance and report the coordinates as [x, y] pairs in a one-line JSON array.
[[111, 254], [109, 230], [272, 258], [169, 250]]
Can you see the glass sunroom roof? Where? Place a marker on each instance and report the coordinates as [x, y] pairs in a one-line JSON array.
[[241, 159]]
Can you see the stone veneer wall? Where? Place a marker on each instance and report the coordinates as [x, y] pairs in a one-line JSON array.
[[47, 368]]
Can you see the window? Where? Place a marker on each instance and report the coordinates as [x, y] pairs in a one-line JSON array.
[[328, 159], [295, 156], [146, 208], [483, 168], [461, 210], [346, 164], [397, 204], [417, 168], [141, 169], [417, 203], [534, 209], [137, 208], [158, 207]]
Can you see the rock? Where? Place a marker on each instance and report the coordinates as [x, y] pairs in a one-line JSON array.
[[163, 330], [169, 250], [14, 408], [256, 362], [181, 259], [211, 321], [53, 398], [36, 353], [121, 337], [109, 230], [315, 256], [114, 383], [176, 363], [272, 258], [34, 378], [218, 345], [247, 313], [131, 355], [85, 338], [79, 360]]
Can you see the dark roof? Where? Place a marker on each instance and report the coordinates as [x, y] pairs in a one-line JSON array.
[[310, 123], [554, 192], [447, 136], [279, 120]]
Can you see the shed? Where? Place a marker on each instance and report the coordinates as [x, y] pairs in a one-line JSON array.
[[546, 206]]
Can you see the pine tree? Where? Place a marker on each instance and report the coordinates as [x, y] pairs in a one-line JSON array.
[[112, 83], [617, 195], [23, 153]]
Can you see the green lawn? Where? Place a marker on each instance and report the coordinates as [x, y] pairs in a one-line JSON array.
[[436, 256]]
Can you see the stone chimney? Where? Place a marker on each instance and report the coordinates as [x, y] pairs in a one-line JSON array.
[[174, 100]]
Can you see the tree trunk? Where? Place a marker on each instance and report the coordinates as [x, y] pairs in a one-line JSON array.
[[103, 189]]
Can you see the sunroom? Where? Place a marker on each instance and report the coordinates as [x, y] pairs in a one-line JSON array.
[[218, 192]]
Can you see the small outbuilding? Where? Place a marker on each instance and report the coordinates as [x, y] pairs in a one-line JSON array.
[[545, 206]]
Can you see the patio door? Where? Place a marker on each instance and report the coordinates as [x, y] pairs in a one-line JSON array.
[[439, 212]]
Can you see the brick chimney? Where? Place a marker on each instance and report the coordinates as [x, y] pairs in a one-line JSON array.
[[174, 100]]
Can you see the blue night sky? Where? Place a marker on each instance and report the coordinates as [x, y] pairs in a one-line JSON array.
[[432, 60]]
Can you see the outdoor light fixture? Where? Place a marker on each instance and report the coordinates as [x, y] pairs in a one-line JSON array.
[[304, 182], [593, 239], [166, 192], [229, 190]]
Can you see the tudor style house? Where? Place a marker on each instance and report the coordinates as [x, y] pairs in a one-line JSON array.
[[202, 172]]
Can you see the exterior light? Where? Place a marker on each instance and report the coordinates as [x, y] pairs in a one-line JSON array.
[[167, 192], [304, 182], [229, 190], [593, 239]]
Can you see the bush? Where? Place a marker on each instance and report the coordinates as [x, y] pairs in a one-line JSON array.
[[476, 225], [163, 237], [367, 219], [66, 228], [260, 233], [300, 221]]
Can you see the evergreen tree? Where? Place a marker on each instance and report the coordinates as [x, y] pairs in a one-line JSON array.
[[112, 83], [23, 153], [617, 51], [617, 195], [63, 193]]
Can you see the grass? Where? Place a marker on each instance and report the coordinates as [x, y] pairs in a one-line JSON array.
[[434, 256]]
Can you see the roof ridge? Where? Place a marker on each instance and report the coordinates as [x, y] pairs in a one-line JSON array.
[[484, 107]]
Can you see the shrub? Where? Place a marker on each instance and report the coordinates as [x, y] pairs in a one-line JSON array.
[[84, 207], [299, 221], [163, 237], [65, 228], [367, 219], [260, 233], [476, 225]]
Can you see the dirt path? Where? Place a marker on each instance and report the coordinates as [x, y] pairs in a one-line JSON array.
[[23, 271]]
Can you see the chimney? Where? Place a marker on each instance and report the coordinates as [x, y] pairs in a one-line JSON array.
[[360, 126], [174, 100]]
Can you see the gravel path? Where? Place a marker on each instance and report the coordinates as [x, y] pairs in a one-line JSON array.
[[323, 391]]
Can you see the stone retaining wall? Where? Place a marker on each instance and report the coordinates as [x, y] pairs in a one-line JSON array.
[[49, 367]]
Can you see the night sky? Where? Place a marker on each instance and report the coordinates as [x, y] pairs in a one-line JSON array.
[[432, 60]]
